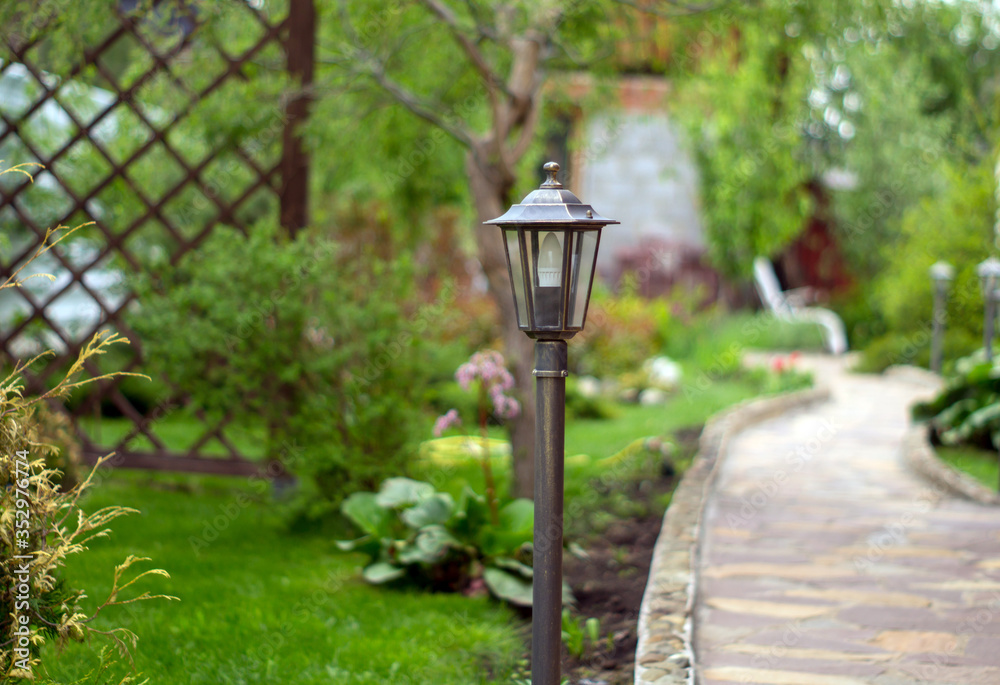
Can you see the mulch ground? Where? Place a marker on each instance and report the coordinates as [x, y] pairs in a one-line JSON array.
[[609, 583]]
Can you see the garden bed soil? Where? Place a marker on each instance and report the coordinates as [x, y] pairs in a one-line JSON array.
[[610, 580]]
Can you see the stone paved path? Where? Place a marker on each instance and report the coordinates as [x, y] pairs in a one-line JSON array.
[[824, 562]]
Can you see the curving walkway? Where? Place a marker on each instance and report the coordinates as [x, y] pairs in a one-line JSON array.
[[823, 561]]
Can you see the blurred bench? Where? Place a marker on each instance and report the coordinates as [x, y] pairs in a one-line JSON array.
[[790, 305]]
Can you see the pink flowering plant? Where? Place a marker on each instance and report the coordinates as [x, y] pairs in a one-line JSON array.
[[485, 374]]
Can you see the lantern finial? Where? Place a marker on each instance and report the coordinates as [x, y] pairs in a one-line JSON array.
[[551, 169]]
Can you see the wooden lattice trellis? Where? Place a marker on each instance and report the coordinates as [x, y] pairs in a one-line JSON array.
[[128, 150]]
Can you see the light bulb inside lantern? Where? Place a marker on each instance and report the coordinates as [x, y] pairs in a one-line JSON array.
[[550, 262]]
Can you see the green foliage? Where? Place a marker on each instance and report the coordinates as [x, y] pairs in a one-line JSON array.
[[749, 149], [967, 412], [42, 524], [776, 94], [955, 226], [413, 531], [265, 605], [580, 634], [290, 337], [622, 332], [583, 406]]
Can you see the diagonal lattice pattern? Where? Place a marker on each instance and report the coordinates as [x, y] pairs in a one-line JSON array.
[[135, 140]]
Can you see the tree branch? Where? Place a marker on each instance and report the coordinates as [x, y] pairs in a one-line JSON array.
[[527, 132], [417, 105], [410, 100], [471, 50]]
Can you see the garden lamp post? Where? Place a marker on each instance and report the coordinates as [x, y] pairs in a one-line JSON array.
[[551, 242], [942, 274], [989, 276]]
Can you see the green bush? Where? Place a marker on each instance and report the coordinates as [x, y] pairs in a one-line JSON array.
[[287, 336], [967, 411], [622, 332], [582, 406], [956, 227]]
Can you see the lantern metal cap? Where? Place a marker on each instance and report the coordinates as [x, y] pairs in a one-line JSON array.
[[989, 268], [942, 271], [551, 204]]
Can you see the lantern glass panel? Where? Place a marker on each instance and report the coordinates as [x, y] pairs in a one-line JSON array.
[[546, 263], [516, 275], [581, 270]]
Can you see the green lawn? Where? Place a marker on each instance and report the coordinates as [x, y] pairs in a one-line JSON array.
[[262, 605], [180, 430], [980, 464]]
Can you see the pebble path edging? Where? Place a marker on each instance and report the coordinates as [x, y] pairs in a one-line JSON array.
[[922, 458]]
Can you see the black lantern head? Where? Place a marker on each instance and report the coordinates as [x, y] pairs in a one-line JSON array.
[[551, 241]]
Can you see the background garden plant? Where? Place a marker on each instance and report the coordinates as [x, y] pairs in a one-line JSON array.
[[300, 344], [42, 524]]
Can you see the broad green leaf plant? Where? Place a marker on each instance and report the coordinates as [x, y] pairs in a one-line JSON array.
[[412, 531]]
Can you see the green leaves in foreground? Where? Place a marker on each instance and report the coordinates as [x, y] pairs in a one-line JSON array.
[[412, 531], [967, 412]]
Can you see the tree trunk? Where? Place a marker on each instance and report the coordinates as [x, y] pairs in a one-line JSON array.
[[490, 192]]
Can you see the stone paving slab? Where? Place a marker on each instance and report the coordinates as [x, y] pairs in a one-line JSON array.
[[824, 560]]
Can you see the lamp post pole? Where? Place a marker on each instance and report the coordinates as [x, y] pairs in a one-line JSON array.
[[551, 240], [988, 314], [941, 274], [989, 272], [550, 433]]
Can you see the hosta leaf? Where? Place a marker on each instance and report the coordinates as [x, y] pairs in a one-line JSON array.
[[402, 491], [471, 514], [364, 511], [507, 586], [381, 572], [518, 516], [436, 509], [431, 545], [514, 566], [351, 545], [367, 544]]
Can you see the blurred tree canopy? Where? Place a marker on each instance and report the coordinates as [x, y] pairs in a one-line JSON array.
[[779, 93], [419, 104]]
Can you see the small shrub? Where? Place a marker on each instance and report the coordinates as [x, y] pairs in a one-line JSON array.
[[586, 406], [622, 332], [292, 337]]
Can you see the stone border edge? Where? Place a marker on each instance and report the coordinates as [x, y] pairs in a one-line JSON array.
[[922, 459], [664, 653]]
